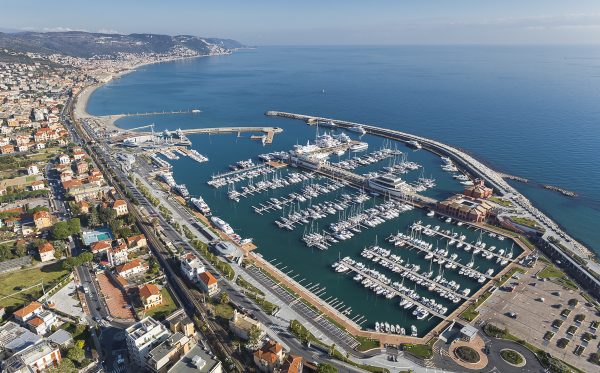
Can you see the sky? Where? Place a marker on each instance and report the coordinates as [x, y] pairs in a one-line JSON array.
[[324, 22]]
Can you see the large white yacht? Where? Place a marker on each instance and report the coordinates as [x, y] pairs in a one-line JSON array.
[[222, 225], [201, 205], [389, 184]]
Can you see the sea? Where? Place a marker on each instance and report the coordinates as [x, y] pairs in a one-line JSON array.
[[530, 111]]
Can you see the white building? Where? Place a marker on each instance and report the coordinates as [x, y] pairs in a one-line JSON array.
[[33, 170], [142, 337], [191, 266]]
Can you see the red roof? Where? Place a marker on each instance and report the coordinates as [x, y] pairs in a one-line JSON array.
[[119, 202], [100, 246], [41, 215], [28, 309], [46, 248], [36, 321], [148, 290], [208, 278]]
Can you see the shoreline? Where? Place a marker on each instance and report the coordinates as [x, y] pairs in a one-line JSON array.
[[83, 97]]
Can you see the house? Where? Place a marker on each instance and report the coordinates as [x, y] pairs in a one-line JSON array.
[[38, 185], [150, 296], [15, 338], [81, 166], [78, 154], [28, 312], [269, 356], [7, 149], [64, 159], [137, 242], [241, 324], [178, 321], [42, 219], [100, 247], [191, 266], [118, 255], [292, 364], [131, 268], [62, 338], [33, 170], [120, 207], [37, 358], [66, 175], [208, 282], [42, 323], [84, 207], [46, 252]]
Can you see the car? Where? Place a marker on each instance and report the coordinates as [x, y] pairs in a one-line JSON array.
[[120, 360], [512, 315]]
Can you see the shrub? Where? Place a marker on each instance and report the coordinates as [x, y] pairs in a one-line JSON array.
[[467, 354]]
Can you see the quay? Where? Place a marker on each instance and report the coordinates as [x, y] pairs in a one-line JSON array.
[[392, 290], [427, 280], [439, 256], [449, 237]]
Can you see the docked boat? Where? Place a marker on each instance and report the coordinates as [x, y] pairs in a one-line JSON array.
[[181, 189], [359, 147], [358, 129], [222, 225], [389, 184], [414, 144], [201, 205]]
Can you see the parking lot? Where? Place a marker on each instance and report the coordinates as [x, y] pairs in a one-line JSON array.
[[116, 299], [537, 304], [66, 300]]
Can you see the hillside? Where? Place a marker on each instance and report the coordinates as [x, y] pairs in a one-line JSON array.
[[86, 44]]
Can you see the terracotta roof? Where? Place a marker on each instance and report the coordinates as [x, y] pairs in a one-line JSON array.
[[100, 246], [135, 239], [208, 278], [36, 321], [46, 248], [269, 352], [292, 364], [148, 290], [71, 183], [129, 265], [41, 215], [27, 309], [119, 202]]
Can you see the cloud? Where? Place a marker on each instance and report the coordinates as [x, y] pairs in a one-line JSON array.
[[109, 31]]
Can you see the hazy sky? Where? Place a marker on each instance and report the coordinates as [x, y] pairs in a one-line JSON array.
[[312, 22]]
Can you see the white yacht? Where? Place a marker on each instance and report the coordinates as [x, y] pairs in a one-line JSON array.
[[389, 184], [414, 144], [358, 129], [201, 205], [222, 225], [361, 146]]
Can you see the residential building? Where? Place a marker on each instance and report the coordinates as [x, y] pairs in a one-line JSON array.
[[26, 313], [180, 322], [46, 251], [142, 337], [292, 364], [36, 358], [241, 324], [197, 360], [120, 207], [33, 170], [208, 283], [132, 268], [42, 323], [150, 296], [137, 242], [38, 185], [15, 338], [42, 219], [64, 159], [100, 247], [62, 338], [117, 256], [167, 353], [269, 356], [191, 266]]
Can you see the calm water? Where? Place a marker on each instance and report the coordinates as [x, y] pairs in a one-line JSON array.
[[528, 111]]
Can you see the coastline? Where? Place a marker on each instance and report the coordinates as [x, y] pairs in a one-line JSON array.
[[82, 98]]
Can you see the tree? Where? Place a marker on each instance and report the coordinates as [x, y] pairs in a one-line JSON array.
[[253, 335], [224, 298], [76, 353], [106, 214], [4, 252], [332, 349], [85, 257], [60, 248], [61, 230], [20, 250], [74, 226], [94, 219], [326, 368], [66, 366]]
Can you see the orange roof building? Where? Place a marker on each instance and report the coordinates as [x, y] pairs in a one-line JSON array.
[[209, 283], [28, 312]]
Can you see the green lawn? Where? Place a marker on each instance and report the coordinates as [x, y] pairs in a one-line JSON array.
[[420, 351], [366, 343], [526, 222], [10, 282], [224, 311], [501, 201], [557, 276], [166, 308]]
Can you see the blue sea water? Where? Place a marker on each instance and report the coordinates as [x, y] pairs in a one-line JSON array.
[[529, 111]]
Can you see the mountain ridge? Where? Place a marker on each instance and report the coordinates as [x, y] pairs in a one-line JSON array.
[[89, 44]]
